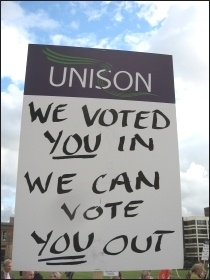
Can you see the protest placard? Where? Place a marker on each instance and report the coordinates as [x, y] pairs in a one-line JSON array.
[[98, 185]]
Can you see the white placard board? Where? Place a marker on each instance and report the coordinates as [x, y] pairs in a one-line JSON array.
[[98, 185]]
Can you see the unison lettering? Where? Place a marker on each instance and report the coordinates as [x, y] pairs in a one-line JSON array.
[[86, 79]]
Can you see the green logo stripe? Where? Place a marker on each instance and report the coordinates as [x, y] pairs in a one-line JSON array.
[[69, 59], [59, 58], [68, 62], [128, 94], [68, 56]]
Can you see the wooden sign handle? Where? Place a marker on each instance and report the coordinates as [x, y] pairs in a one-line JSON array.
[[98, 275]]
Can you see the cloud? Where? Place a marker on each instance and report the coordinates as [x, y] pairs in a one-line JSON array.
[[8, 182], [122, 7], [118, 11], [7, 211], [89, 9], [14, 48], [11, 106], [94, 14], [138, 41], [184, 40], [195, 195], [9, 171], [12, 13], [74, 24], [118, 16], [188, 46], [16, 35], [85, 39], [153, 12], [181, 38]]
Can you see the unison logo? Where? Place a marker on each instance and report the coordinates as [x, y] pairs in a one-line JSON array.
[[120, 83]]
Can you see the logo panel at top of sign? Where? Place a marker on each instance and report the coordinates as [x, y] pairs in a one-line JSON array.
[[106, 79], [99, 73]]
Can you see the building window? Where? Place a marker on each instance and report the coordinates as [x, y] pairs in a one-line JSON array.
[[201, 222], [202, 231], [200, 249], [201, 240], [190, 240], [189, 223], [189, 231], [4, 235], [191, 250]]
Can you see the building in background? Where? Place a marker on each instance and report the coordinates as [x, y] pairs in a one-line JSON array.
[[6, 239], [196, 231], [206, 211]]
